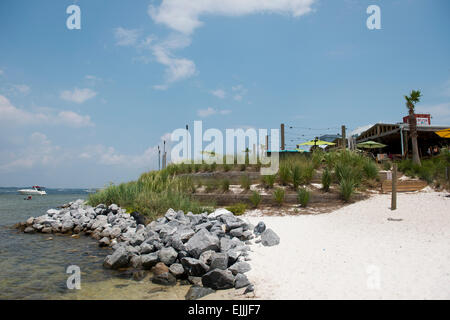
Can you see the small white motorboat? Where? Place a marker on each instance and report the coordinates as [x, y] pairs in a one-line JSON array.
[[35, 190]]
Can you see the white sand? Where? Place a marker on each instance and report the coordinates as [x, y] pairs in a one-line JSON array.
[[357, 253]]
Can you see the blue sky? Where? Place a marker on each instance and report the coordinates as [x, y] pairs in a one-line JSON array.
[[82, 108]]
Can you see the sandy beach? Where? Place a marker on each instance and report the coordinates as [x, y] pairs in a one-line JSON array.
[[361, 251]]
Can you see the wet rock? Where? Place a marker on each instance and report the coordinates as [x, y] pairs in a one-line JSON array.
[[139, 275], [149, 260], [136, 262], [196, 292], [160, 268], [218, 279], [166, 279], [29, 230], [119, 259], [196, 281], [104, 242]]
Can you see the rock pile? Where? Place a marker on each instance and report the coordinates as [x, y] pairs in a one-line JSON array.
[[209, 250]]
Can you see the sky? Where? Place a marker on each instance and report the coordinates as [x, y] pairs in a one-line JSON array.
[[87, 107]]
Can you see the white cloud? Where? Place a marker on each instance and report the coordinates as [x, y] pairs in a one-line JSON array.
[[126, 37], [184, 15], [239, 92], [73, 119], [78, 95], [22, 88], [210, 111], [160, 87], [11, 116], [176, 68], [38, 151], [219, 93]]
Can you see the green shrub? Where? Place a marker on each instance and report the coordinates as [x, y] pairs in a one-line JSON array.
[[278, 196], [326, 180], [387, 165], [213, 167], [296, 176], [269, 180], [255, 199], [284, 174], [370, 169], [303, 197], [211, 186], [307, 173], [226, 167], [245, 182], [237, 209], [346, 189], [225, 185]]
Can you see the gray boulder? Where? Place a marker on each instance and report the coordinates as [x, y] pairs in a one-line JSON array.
[[149, 260], [168, 255], [194, 267], [176, 269], [240, 267], [196, 292], [202, 241], [218, 279], [166, 279], [260, 228], [118, 259], [241, 281], [219, 261], [269, 238]]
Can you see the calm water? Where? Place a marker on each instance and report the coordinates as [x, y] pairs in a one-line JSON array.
[[33, 266]]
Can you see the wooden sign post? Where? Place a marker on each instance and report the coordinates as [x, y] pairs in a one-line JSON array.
[[394, 187]]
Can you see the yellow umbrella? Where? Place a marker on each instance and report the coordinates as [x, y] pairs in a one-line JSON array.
[[444, 133], [317, 143]]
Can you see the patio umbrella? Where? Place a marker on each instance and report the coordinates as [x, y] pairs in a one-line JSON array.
[[370, 145], [316, 142], [444, 133]]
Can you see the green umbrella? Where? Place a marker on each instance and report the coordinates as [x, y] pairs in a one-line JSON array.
[[370, 145]]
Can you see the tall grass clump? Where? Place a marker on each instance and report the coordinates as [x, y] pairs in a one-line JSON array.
[[255, 199], [225, 185], [284, 174], [326, 180], [346, 189], [296, 176], [152, 194], [269, 181], [370, 169], [237, 209], [245, 182], [278, 196], [303, 197], [432, 170]]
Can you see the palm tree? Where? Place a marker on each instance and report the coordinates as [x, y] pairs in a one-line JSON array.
[[411, 101]]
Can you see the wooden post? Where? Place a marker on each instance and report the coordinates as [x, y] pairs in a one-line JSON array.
[[282, 136], [267, 143], [394, 187], [344, 143]]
